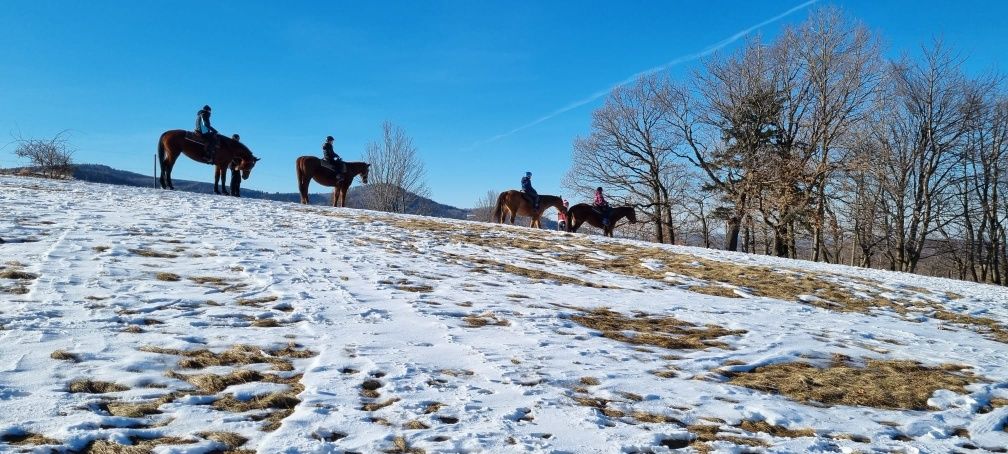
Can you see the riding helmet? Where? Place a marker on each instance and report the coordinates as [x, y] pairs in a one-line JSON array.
[[598, 189], [329, 138], [206, 108], [528, 174]]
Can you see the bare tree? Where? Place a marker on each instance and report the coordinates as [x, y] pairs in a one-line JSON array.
[[397, 176], [52, 157], [629, 152], [919, 122], [483, 210]]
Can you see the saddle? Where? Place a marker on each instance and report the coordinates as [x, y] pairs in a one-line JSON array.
[[192, 137]]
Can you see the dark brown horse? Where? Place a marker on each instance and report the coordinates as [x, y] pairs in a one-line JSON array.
[[310, 167], [583, 212], [513, 203], [174, 144]]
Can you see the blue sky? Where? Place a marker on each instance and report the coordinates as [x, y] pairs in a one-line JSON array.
[[454, 74]]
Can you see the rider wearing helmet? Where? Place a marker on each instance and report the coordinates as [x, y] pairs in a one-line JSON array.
[[206, 132], [602, 206], [526, 184], [332, 159]]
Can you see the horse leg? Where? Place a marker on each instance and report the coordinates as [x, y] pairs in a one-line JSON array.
[[335, 196], [223, 181], [168, 169]]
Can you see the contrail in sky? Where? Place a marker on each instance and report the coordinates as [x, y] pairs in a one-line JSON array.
[[679, 60]]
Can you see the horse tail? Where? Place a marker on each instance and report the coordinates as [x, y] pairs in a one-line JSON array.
[[161, 150], [499, 209]]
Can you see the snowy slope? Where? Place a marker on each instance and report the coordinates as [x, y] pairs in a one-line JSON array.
[[370, 332]]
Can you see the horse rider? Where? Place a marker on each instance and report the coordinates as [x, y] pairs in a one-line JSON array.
[[526, 185], [562, 216], [334, 161], [206, 132], [236, 137], [602, 206]]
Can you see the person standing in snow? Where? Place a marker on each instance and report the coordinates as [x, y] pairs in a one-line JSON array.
[[530, 192], [602, 206], [562, 217], [206, 132]]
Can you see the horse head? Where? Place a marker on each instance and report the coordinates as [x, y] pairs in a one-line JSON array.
[[364, 173], [245, 165], [632, 215]]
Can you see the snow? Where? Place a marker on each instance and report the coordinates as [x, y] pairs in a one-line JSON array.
[[350, 286]]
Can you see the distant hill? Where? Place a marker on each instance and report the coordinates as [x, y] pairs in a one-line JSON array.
[[104, 174]]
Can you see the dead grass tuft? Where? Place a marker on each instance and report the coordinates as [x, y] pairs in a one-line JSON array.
[[484, 319], [135, 329], [415, 424], [257, 302], [589, 381], [714, 290], [152, 253], [648, 329], [94, 387], [374, 406], [229, 439], [167, 277], [142, 408], [28, 439], [100, 249], [236, 356], [138, 446], [214, 383], [212, 280], [17, 274], [265, 323], [432, 407], [889, 384], [777, 431], [64, 355], [401, 446]]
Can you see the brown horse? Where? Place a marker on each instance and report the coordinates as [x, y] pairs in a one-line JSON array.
[[583, 212], [310, 167], [515, 204], [174, 144]]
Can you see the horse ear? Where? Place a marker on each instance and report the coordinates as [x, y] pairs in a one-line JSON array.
[[256, 159]]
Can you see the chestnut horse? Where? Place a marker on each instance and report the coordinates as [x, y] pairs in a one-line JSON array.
[[583, 212], [174, 144], [515, 204], [310, 167]]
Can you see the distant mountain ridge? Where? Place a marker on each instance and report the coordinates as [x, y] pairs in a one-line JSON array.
[[99, 173]]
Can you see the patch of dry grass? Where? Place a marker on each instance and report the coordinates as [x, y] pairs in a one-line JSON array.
[[401, 446], [167, 277], [141, 408], [889, 384], [714, 290], [589, 381], [415, 424], [432, 407], [144, 252], [28, 439], [212, 280], [100, 249], [484, 319], [656, 330], [134, 329], [777, 431], [138, 446], [64, 355], [257, 302], [265, 323], [94, 386], [236, 356], [374, 406], [230, 440], [9, 273]]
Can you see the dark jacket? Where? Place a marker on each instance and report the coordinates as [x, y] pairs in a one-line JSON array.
[[328, 154], [526, 184]]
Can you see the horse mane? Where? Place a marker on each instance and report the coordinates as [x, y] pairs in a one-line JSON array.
[[244, 150]]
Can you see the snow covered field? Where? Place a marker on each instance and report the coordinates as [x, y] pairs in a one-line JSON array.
[[180, 322]]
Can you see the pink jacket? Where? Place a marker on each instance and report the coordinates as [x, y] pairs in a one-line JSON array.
[[599, 200]]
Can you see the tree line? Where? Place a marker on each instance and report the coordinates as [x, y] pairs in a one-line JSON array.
[[814, 145]]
